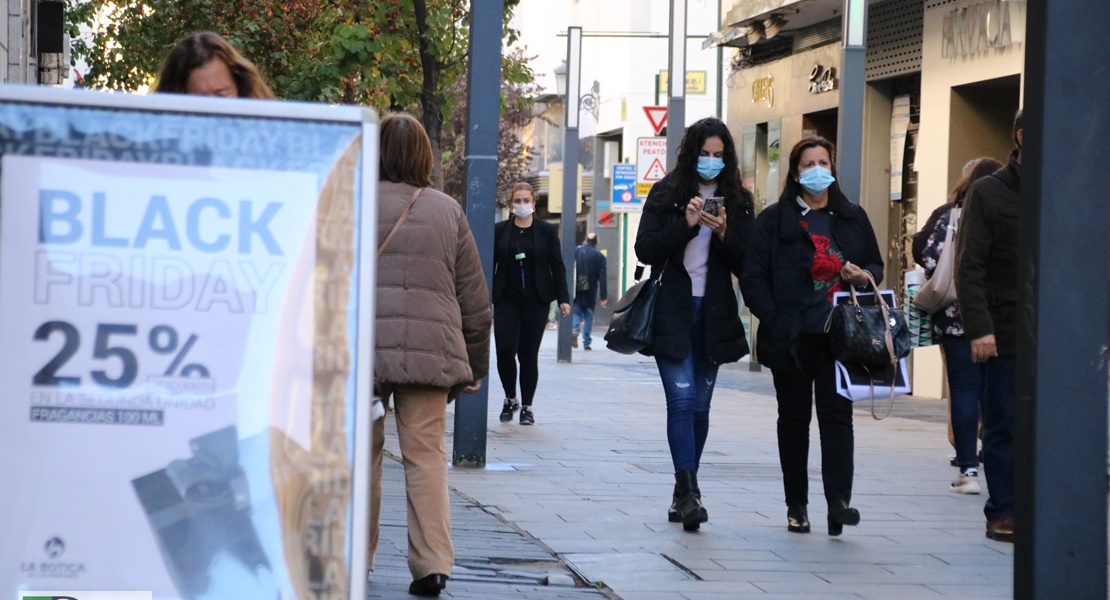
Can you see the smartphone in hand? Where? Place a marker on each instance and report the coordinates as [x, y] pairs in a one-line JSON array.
[[712, 205]]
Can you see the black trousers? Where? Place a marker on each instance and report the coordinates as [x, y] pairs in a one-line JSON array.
[[797, 390], [518, 326]]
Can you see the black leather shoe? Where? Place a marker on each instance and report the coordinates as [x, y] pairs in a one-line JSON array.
[[840, 514], [430, 585], [797, 519]]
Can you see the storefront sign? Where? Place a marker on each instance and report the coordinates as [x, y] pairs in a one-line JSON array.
[[822, 79], [695, 82], [980, 27], [179, 345], [763, 90]]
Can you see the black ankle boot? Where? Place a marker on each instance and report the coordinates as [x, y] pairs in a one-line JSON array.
[[797, 519], [840, 514], [430, 585], [689, 506], [672, 512]]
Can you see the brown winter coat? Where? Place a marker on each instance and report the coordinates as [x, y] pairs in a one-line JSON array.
[[433, 315]]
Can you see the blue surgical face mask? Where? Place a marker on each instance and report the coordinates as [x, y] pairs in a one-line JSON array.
[[816, 179], [709, 167]]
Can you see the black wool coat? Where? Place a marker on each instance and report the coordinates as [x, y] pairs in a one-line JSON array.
[[775, 279], [661, 242], [551, 273], [986, 257]]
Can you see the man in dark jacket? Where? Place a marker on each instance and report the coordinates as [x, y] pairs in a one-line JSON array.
[[589, 279], [986, 286]]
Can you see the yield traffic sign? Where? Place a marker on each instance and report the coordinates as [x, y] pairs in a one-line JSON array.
[[657, 116]]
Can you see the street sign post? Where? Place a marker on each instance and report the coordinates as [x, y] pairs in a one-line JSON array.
[[186, 328], [651, 160], [625, 198]]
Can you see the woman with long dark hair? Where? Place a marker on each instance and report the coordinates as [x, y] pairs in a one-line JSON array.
[[804, 248], [693, 231], [967, 380], [205, 64]]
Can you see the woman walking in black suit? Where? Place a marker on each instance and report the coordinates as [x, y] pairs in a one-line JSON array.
[[804, 248], [528, 273]]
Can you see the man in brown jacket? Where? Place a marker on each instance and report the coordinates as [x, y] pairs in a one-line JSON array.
[[986, 288], [432, 339]]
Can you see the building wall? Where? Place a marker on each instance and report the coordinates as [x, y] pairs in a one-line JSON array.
[[15, 41]]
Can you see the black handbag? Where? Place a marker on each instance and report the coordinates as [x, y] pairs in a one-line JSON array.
[[868, 335], [631, 331]]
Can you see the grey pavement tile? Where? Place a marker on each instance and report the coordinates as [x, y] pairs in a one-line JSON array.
[[974, 591], [593, 478]]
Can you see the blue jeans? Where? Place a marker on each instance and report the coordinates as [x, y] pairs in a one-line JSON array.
[[580, 313], [688, 385], [967, 383], [998, 435]]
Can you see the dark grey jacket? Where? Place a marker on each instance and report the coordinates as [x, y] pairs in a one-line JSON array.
[[986, 257]]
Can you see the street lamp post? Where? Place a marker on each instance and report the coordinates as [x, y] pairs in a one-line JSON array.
[[676, 87], [570, 174]]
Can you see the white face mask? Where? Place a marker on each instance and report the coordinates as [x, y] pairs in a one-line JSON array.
[[523, 210]]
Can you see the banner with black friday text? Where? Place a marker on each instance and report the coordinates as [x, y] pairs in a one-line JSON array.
[[177, 341]]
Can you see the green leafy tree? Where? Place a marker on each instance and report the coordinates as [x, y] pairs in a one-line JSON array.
[[388, 54], [518, 93]]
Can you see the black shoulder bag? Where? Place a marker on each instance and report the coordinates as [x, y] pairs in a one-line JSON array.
[[631, 331]]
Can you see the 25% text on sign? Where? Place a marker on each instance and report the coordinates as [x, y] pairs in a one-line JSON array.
[[163, 339]]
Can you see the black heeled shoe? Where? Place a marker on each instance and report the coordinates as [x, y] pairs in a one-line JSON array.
[[429, 585], [797, 519], [840, 514]]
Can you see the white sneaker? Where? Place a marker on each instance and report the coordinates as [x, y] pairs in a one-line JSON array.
[[966, 482]]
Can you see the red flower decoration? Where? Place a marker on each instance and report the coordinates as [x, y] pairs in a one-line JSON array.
[[832, 290], [822, 243], [825, 267], [804, 225]]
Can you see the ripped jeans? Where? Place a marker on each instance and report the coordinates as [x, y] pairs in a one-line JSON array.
[[688, 385]]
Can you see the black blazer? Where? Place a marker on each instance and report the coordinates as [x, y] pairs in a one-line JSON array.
[[661, 242], [551, 273], [775, 279]]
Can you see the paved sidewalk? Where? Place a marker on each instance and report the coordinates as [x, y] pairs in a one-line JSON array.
[[592, 480], [492, 559]]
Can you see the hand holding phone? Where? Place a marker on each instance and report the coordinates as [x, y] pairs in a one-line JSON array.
[[712, 205]]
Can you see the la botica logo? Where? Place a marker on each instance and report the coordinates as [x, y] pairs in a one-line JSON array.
[[86, 596], [53, 567], [55, 548]]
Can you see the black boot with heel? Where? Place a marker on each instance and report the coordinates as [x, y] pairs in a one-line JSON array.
[[840, 514], [689, 507], [797, 519]]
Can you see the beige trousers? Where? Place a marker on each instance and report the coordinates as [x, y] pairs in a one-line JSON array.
[[421, 415]]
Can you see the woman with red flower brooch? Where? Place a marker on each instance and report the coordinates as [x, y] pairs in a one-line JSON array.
[[803, 249]]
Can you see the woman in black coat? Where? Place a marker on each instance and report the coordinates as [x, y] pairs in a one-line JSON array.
[[693, 230], [809, 245], [528, 273]]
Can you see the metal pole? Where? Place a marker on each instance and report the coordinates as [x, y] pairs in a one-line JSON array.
[[483, 103], [720, 67], [849, 125], [1064, 309], [676, 85], [570, 174]]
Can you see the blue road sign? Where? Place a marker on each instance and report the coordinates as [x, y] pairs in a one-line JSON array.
[[624, 190]]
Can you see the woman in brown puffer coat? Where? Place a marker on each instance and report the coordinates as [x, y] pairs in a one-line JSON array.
[[432, 339]]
